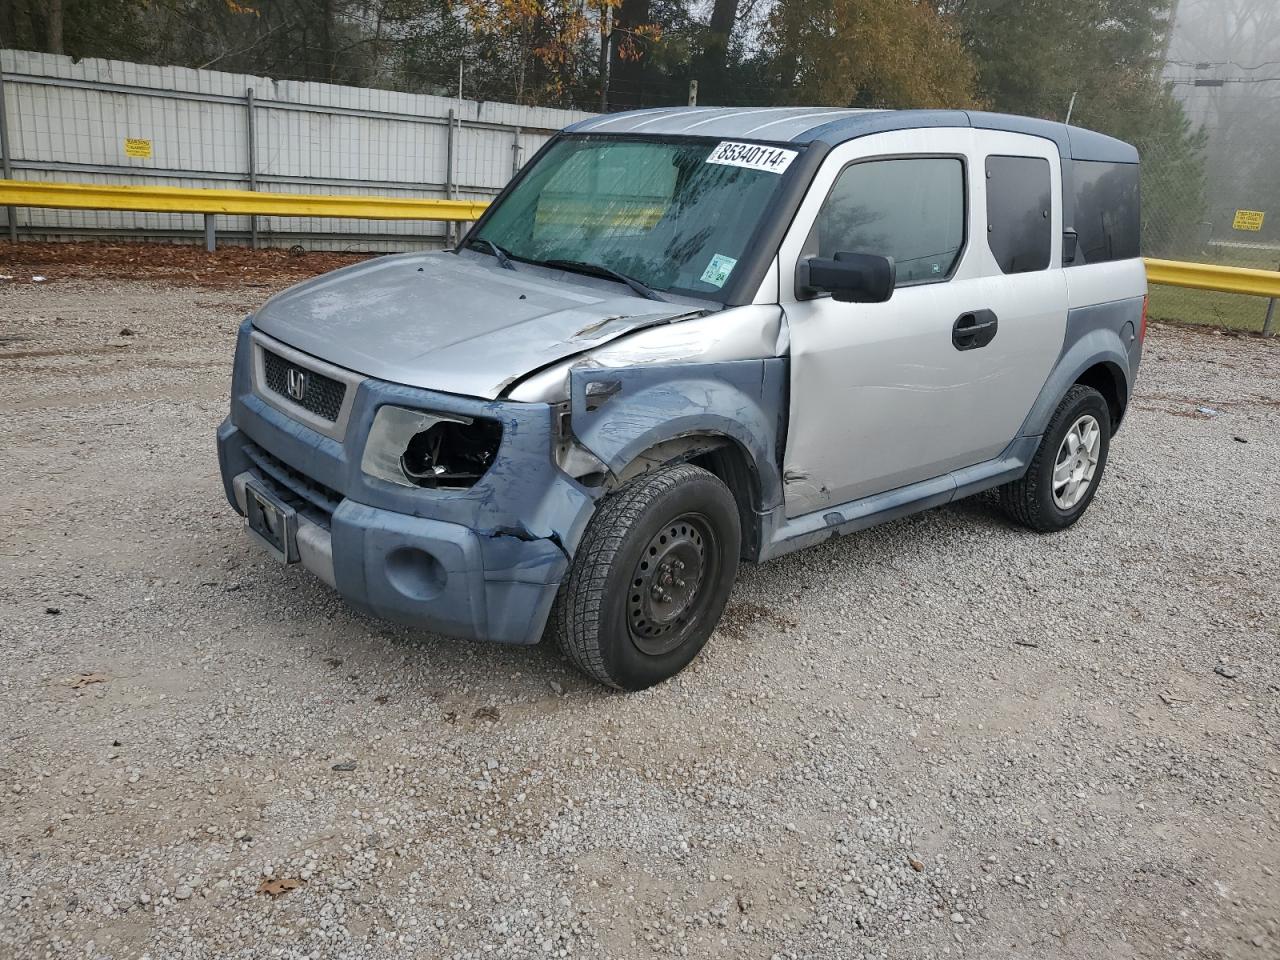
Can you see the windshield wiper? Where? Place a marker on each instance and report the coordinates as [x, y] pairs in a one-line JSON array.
[[600, 270], [504, 260]]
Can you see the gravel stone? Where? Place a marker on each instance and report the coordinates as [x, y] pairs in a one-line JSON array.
[[1101, 793]]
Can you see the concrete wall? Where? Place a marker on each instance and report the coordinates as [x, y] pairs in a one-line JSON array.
[[69, 122]]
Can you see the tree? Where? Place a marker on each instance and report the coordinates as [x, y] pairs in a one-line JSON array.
[[1032, 59], [1105, 55], [873, 53], [81, 28]]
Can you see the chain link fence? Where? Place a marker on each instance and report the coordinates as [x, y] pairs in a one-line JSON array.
[[1219, 202], [1187, 215]]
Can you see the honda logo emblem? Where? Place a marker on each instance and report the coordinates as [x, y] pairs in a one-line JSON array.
[[297, 384]]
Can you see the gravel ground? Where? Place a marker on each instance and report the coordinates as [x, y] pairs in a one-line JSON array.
[[945, 737]]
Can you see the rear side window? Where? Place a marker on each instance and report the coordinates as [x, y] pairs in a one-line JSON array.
[[909, 208], [1106, 212], [1019, 229]]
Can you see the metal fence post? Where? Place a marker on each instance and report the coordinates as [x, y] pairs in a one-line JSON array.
[[210, 234], [448, 178], [252, 135], [1269, 321], [515, 152], [11, 213]]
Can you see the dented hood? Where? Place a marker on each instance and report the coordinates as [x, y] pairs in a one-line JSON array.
[[453, 323]]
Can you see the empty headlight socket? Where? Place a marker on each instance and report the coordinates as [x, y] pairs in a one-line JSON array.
[[419, 448]]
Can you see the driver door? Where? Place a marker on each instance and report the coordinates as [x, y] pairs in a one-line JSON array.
[[888, 394]]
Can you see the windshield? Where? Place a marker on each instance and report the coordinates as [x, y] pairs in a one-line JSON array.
[[675, 215]]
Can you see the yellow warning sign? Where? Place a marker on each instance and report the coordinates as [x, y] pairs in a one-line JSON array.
[[1247, 220], [137, 148]]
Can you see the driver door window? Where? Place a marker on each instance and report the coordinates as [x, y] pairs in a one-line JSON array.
[[908, 208]]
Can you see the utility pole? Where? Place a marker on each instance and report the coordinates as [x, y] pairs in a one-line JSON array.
[[693, 93], [1168, 34]]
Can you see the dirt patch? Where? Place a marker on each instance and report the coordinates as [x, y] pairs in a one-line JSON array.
[[187, 264]]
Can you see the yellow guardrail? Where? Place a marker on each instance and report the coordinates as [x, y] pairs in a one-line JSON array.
[[1209, 276], [89, 196], [156, 199]]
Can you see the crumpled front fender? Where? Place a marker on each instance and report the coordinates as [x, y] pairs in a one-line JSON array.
[[619, 413]]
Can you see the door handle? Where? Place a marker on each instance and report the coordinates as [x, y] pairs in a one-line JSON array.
[[974, 329]]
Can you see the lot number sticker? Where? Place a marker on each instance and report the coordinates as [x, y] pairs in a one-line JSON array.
[[1248, 220], [752, 156], [137, 148], [718, 270]]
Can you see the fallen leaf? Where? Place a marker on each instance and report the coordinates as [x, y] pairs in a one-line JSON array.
[[278, 887], [916, 865], [84, 679], [487, 713], [345, 766]]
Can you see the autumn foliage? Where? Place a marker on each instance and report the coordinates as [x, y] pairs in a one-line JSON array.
[[873, 53]]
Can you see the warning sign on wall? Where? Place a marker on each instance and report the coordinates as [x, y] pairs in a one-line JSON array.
[[137, 148], [1247, 220]]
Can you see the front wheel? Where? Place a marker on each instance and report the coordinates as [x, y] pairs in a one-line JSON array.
[[1067, 467], [651, 578]]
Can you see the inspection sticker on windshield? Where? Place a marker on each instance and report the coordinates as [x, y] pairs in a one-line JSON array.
[[718, 270], [753, 156]]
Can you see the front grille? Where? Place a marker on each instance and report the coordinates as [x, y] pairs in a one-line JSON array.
[[321, 395], [294, 487]]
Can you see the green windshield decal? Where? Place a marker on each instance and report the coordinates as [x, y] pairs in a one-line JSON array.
[[718, 270]]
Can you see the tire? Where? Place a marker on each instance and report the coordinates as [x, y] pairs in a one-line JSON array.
[[1041, 500], [674, 534]]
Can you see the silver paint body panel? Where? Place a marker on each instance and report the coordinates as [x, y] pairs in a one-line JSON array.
[[455, 323], [880, 397]]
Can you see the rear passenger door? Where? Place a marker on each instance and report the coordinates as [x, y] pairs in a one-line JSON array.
[[888, 394]]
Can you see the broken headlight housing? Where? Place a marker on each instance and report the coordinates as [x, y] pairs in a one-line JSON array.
[[415, 448]]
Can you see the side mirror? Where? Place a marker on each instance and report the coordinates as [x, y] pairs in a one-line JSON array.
[[849, 277]]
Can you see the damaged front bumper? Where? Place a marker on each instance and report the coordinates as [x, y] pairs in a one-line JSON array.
[[483, 562]]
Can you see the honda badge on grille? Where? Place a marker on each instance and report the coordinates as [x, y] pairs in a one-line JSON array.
[[297, 384]]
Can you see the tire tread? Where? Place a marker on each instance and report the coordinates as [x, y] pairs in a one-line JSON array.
[[1018, 499], [576, 618]]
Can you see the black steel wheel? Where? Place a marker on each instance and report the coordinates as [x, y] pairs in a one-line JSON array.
[[670, 584]]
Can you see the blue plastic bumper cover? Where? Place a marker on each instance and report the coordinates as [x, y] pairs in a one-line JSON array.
[[483, 562]]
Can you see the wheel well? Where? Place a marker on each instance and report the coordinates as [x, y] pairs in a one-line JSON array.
[[732, 465], [719, 455], [1109, 381]]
